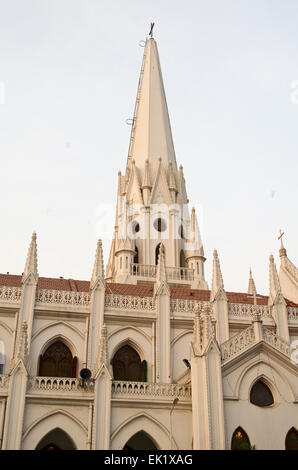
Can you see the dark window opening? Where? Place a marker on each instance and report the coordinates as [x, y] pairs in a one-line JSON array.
[[240, 440], [260, 394], [127, 365], [57, 361], [160, 225], [292, 439], [140, 441]]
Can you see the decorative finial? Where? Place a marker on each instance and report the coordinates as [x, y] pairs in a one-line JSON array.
[[281, 234], [151, 29]]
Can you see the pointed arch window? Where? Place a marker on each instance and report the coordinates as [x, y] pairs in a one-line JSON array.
[[127, 365], [182, 259], [240, 440], [56, 439], [2, 357], [136, 256], [261, 395], [292, 439], [57, 361]]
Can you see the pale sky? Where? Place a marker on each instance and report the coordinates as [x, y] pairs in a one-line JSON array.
[[69, 71]]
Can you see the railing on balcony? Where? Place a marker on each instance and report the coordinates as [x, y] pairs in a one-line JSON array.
[[55, 384], [248, 310], [237, 344], [150, 390], [173, 274], [274, 340]]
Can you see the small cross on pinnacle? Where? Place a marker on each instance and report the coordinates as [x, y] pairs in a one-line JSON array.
[[281, 234], [151, 29]]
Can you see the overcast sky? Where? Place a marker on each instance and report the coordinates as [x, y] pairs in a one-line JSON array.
[[69, 71]]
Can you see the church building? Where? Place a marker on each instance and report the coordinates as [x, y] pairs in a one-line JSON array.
[[145, 354]]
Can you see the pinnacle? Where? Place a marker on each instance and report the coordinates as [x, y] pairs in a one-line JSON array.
[[31, 261], [251, 284], [217, 280], [98, 268]]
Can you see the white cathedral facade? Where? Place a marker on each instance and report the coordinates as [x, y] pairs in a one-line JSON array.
[[173, 364]]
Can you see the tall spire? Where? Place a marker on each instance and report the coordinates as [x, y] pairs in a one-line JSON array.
[[151, 135], [31, 261]]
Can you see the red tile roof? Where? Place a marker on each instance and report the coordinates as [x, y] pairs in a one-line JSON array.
[[141, 290]]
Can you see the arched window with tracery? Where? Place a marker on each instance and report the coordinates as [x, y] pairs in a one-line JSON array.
[[261, 395], [2, 357], [240, 440], [292, 439], [127, 365], [57, 361]]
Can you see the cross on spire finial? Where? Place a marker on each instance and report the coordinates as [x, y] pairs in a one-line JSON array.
[[151, 29], [281, 234]]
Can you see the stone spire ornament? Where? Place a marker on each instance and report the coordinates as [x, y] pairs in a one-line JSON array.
[[98, 268], [217, 280], [22, 347], [274, 283], [203, 329], [31, 261], [102, 358], [251, 285]]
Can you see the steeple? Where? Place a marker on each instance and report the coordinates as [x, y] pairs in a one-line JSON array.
[[152, 203], [151, 135], [31, 261]]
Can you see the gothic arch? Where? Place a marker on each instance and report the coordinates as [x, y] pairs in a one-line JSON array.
[[61, 338], [50, 325], [291, 440], [261, 369], [57, 439], [180, 335], [62, 419], [132, 336], [269, 384], [6, 327], [240, 440], [54, 332], [142, 422], [57, 360]]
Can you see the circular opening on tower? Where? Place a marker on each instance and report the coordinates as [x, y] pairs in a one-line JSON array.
[[160, 225]]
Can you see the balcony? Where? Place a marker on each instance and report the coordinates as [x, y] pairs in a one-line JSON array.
[[148, 271], [58, 387], [150, 391]]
